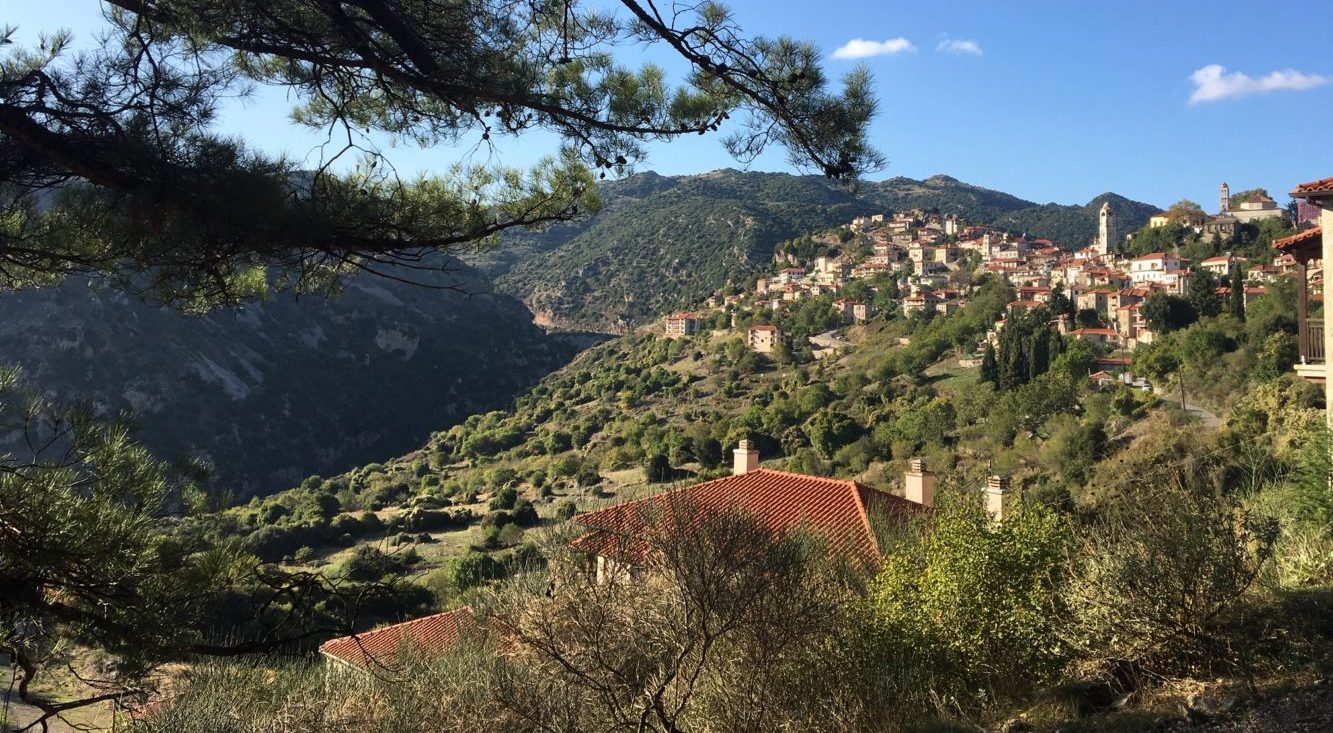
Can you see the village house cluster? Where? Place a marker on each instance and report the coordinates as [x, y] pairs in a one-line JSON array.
[[930, 256]]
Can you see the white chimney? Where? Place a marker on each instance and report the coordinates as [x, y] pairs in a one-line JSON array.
[[999, 499], [747, 458], [919, 483]]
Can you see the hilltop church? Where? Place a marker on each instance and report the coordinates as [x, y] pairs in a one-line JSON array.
[[1107, 234]]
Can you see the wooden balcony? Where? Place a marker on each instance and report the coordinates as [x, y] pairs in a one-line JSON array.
[[1315, 348], [1311, 338], [1309, 327]]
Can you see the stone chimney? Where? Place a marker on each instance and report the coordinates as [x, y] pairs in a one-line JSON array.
[[919, 483], [999, 499], [747, 458]]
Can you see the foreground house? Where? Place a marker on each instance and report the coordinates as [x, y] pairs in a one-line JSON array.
[[383, 647], [1305, 247], [841, 512], [616, 539]]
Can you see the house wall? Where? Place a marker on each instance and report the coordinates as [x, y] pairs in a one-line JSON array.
[[1326, 221]]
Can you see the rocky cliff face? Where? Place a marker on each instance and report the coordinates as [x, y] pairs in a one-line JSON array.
[[269, 393]]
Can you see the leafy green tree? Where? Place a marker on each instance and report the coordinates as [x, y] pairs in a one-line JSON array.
[[1273, 311], [368, 563], [1203, 294], [1077, 359], [1201, 345], [659, 469], [1156, 361], [1157, 576], [1166, 313], [972, 604], [208, 219], [829, 430], [1185, 210], [1087, 318], [1279, 353], [1060, 303]]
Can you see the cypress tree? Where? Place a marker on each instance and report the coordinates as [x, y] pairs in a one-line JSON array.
[[1236, 298], [990, 367]]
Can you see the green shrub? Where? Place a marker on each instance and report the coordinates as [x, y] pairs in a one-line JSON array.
[[1158, 577], [504, 498], [369, 564], [967, 608], [566, 509]]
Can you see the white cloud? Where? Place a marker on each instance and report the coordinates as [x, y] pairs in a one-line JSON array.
[[1212, 83], [859, 48], [959, 46]]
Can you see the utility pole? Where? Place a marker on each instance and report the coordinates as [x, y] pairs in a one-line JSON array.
[[1180, 375]]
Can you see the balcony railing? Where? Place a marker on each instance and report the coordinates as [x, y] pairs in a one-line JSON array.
[[1314, 342]]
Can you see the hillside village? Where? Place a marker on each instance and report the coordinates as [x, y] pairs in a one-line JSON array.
[[920, 262]]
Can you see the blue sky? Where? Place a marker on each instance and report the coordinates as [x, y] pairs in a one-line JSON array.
[[1051, 100]]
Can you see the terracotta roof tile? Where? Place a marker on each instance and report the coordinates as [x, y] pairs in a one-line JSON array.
[[429, 634], [1298, 238], [1323, 185], [783, 502]]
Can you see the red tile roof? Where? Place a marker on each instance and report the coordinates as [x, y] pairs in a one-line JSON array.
[[783, 502], [763, 328], [429, 634], [1094, 332], [1323, 185], [1299, 237]]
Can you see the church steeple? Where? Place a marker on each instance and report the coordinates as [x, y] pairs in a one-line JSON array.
[[1106, 230], [1224, 199]]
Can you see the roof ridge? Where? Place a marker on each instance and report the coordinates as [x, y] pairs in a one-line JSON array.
[[401, 625], [826, 479], [863, 513]]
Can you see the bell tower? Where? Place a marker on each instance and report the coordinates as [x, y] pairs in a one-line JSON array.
[[1224, 199], [1106, 230]]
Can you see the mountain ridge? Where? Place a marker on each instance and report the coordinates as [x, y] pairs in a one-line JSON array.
[[662, 242]]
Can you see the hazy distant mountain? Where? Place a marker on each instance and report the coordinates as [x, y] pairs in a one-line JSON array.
[[662, 242], [275, 391]]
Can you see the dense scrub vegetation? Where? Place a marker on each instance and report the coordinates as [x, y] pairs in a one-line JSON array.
[[1066, 615]]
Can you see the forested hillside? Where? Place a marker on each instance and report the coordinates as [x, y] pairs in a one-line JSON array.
[[270, 391], [662, 243]]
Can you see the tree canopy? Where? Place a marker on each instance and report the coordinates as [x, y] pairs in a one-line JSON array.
[[111, 162]]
